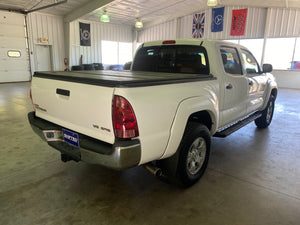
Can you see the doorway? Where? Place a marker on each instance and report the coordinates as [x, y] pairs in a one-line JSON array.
[[43, 58]]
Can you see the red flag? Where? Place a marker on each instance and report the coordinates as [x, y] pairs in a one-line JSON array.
[[238, 22]]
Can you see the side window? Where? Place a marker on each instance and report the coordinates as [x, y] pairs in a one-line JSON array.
[[249, 62], [231, 60]]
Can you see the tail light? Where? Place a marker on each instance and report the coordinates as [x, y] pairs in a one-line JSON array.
[[30, 94], [124, 121]]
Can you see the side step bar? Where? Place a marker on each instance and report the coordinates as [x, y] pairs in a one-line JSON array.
[[229, 130]]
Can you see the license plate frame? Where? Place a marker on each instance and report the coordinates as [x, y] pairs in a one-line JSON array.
[[70, 137]]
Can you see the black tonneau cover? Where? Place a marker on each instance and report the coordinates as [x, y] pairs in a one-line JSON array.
[[111, 78]]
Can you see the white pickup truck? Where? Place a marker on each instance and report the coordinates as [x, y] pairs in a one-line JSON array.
[[160, 114]]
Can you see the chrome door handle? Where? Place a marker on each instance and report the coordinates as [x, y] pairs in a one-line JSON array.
[[229, 86]]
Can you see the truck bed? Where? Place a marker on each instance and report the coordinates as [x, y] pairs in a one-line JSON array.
[[109, 78]]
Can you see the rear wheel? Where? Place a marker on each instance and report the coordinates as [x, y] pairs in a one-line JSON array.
[[193, 154], [267, 115]]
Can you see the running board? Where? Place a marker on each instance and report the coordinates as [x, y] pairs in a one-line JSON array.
[[229, 130]]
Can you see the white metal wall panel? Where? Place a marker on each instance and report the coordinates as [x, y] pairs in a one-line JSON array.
[[185, 25], [13, 37], [99, 31], [284, 23], [255, 26], [50, 27], [158, 32]]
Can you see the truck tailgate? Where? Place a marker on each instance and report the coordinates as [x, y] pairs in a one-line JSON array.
[[82, 108]]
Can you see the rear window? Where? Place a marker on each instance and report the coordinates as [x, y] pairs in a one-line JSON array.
[[172, 59]]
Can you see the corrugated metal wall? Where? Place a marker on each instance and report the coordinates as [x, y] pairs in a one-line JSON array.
[[158, 32], [284, 23], [255, 24], [99, 32], [52, 28]]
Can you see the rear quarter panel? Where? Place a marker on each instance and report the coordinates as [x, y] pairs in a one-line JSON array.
[[156, 107]]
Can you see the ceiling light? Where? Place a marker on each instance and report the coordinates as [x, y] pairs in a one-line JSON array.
[[104, 18], [139, 24], [212, 2]]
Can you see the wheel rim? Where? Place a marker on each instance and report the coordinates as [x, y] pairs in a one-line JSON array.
[[196, 155], [269, 112]]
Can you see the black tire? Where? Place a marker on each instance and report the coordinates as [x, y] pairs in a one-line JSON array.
[[194, 153], [267, 115]]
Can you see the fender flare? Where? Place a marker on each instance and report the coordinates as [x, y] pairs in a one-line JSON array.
[[185, 109], [272, 85]]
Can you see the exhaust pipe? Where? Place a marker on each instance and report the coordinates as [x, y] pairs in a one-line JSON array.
[[153, 169]]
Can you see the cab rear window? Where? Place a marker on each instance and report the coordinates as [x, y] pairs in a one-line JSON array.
[[172, 59]]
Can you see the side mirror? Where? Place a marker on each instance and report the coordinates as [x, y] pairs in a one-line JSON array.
[[267, 68]]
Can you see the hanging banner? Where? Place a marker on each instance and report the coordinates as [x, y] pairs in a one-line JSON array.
[[85, 34], [238, 22], [198, 25], [217, 19]]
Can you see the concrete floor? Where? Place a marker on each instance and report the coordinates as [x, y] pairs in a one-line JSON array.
[[253, 177]]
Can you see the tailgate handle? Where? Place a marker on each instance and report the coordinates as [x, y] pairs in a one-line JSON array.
[[62, 92]]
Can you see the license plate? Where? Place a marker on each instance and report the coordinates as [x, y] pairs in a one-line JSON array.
[[71, 137]]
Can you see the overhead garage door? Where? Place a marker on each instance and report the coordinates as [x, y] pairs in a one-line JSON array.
[[14, 58]]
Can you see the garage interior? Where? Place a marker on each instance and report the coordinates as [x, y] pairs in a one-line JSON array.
[[253, 175]]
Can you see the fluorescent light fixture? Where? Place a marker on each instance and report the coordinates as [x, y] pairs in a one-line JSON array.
[[212, 2], [104, 18], [139, 24]]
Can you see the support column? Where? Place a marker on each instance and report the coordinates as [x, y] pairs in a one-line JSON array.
[[266, 35]]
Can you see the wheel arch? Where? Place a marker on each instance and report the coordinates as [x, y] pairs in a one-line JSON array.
[[274, 92], [203, 117], [197, 109]]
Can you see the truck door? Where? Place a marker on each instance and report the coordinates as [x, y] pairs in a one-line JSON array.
[[233, 87], [256, 82]]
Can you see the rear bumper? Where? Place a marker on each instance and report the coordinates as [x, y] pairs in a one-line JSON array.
[[121, 155]]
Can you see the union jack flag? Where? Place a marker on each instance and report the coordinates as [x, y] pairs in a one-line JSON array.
[[198, 25]]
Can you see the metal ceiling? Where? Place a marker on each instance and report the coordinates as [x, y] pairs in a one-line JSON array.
[[27, 5], [126, 11]]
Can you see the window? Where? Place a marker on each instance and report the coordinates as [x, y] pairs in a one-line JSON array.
[[255, 46], [282, 53], [279, 52], [109, 52], [14, 53], [116, 52], [172, 59], [250, 64], [138, 45], [231, 60], [125, 52]]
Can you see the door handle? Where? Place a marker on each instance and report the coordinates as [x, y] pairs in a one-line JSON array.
[[229, 86]]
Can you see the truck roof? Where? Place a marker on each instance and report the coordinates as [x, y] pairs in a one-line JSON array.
[[205, 42]]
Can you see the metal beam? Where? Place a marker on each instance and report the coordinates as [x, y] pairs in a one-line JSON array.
[[47, 6], [85, 9]]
